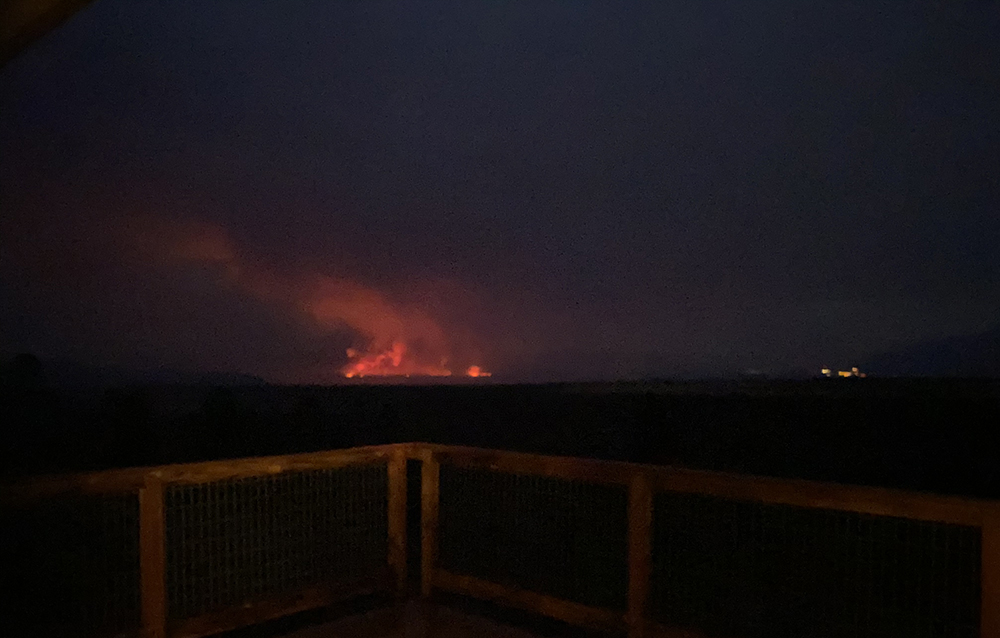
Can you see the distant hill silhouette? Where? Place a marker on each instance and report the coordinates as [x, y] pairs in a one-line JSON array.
[[969, 356], [74, 374]]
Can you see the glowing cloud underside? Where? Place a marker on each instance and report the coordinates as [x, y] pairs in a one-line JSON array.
[[394, 339]]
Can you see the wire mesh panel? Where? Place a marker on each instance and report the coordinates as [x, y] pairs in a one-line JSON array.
[[70, 567], [551, 536], [734, 568], [235, 541]]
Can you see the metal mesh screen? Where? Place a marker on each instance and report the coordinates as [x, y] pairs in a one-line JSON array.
[[70, 567], [551, 536], [234, 541], [733, 568]]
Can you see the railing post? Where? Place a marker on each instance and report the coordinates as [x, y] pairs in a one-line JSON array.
[[429, 494], [397, 518], [640, 523], [989, 620], [152, 558]]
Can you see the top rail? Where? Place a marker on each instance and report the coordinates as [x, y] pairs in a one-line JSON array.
[[876, 501], [133, 478]]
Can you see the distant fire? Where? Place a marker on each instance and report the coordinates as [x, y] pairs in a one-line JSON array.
[[395, 362], [394, 338]]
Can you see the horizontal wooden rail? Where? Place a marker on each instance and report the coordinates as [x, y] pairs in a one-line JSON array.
[[562, 467], [244, 468], [132, 479], [564, 610], [654, 630], [276, 607], [801, 493], [830, 496], [776, 491]]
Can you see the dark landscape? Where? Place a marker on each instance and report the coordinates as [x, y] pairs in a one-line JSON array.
[[928, 434]]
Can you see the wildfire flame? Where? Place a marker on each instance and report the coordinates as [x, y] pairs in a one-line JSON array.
[[389, 363], [395, 363]]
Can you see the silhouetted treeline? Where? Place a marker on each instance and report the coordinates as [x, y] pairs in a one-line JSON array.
[[936, 435]]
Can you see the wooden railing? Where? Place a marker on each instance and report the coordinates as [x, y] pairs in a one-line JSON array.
[[640, 484], [150, 485]]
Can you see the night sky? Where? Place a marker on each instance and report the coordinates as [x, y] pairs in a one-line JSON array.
[[547, 190]]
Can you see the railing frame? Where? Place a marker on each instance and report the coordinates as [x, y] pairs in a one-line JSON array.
[[152, 558], [641, 482]]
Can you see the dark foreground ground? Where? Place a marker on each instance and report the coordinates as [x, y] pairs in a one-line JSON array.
[[932, 435]]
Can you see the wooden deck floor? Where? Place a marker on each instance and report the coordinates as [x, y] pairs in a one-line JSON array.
[[411, 622]]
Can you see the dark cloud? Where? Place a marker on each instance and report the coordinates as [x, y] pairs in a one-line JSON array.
[[566, 188]]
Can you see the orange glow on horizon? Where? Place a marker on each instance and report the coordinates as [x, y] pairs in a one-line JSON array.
[[395, 337], [395, 362]]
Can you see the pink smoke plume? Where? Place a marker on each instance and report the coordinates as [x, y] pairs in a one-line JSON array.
[[394, 339]]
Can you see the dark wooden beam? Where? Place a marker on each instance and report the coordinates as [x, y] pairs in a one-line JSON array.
[[22, 22], [567, 611]]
